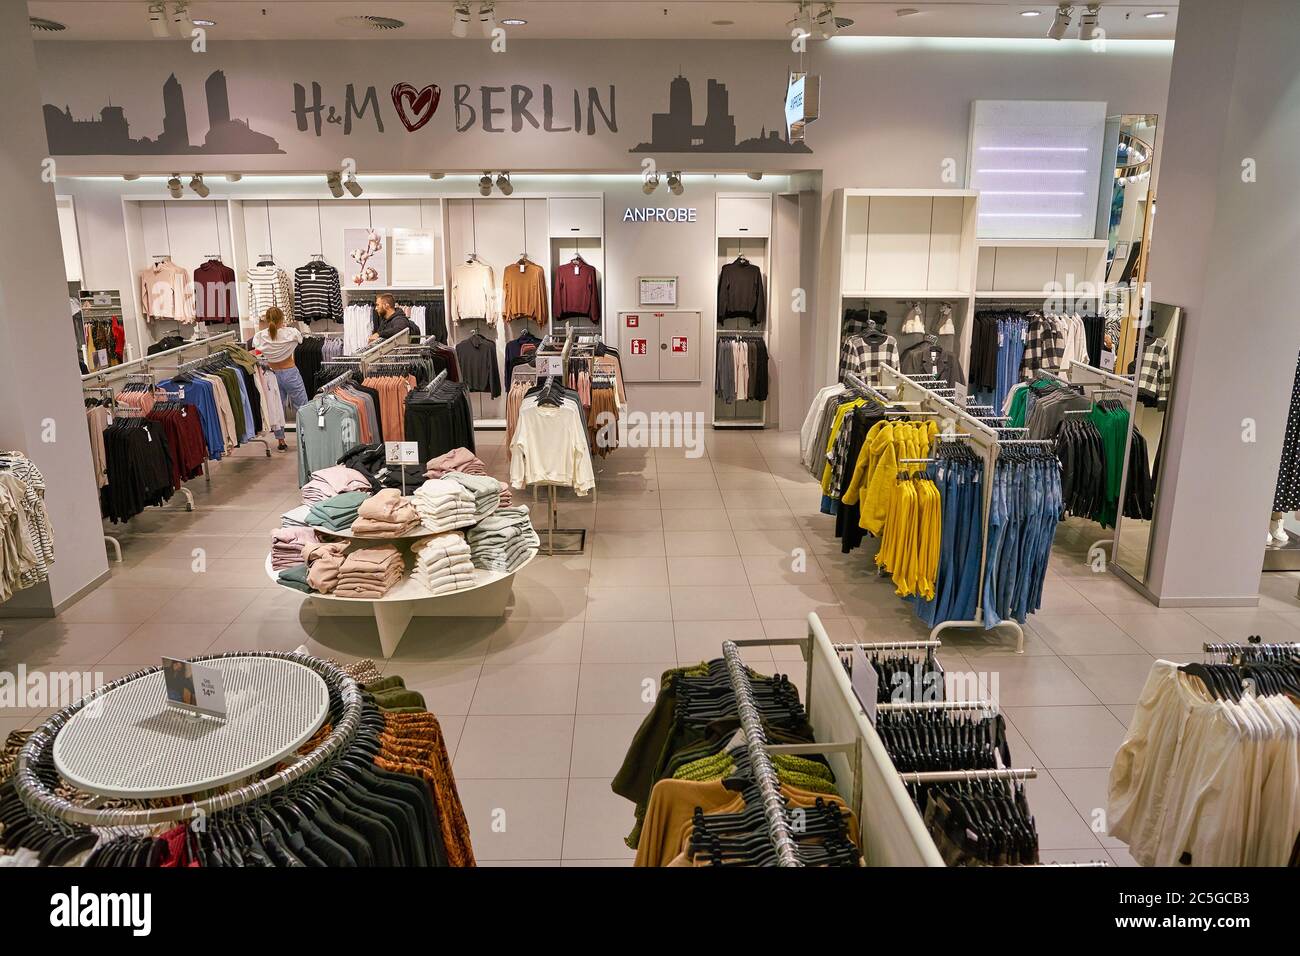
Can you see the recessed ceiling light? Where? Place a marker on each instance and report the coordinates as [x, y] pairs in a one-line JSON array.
[[514, 22], [203, 23], [724, 23], [1031, 13], [1156, 15]]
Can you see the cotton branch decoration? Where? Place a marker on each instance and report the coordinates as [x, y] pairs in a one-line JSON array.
[[374, 245]]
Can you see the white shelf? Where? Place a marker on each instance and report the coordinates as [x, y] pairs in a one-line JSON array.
[[905, 294], [1046, 243]]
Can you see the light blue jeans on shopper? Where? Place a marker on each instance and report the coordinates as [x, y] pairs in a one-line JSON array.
[[292, 392]]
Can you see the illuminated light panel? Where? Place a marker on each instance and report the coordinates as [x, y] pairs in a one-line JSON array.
[[1031, 215], [1034, 149], [1031, 192], [1052, 172]]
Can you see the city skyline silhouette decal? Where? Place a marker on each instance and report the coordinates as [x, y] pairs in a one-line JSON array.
[[677, 132], [110, 133]]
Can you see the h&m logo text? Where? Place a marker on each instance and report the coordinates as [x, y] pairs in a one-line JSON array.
[[77, 909]]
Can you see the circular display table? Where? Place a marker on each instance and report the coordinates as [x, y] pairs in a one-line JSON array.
[[130, 743], [409, 598]]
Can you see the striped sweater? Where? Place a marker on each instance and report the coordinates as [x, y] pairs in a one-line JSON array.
[[269, 286], [317, 293]]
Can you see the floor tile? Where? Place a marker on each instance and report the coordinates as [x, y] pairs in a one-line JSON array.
[[515, 819], [1172, 633], [645, 572], [696, 520], [629, 688], [797, 601], [1027, 681], [724, 572], [547, 604], [763, 569], [713, 604], [628, 642], [1113, 678], [536, 642], [700, 543], [600, 743], [628, 604], [1087, 789], [1069, 737], [1085, 633], [702, 640], [508, 747], [525, 689], [595, 821]]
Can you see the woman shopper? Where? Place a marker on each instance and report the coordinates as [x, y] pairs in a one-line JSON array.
[[275, 343]]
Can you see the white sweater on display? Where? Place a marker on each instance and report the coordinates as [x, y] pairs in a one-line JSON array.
[[549, 446], [473, 292]]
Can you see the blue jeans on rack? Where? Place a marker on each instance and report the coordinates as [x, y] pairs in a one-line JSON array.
[[292, 392], [992, 555], [970, 541]]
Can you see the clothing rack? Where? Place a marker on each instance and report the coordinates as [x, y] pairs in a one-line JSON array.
[[43, 801], [149, 361], [987, 444], [964, 776], [1252, 648], [194, 364], [921, 705], [760, 764]]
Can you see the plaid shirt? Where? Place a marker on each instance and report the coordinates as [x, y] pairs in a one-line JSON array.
[[1044, 346], [1153, 379], [865, 355]]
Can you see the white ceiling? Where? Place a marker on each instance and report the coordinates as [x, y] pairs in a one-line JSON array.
[[597, 19]]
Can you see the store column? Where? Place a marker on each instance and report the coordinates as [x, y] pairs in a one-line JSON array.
[[41, 412], [1225, 248]]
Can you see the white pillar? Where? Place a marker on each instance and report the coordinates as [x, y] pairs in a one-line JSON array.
[[1226, 247], [40, 389]]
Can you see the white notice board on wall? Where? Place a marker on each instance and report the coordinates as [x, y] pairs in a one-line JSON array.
[[658, 290], [413, 257]]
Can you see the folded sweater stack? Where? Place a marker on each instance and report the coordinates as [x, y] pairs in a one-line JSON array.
[[386, 514], [444, 505], [295, 576], [465, 462], [331, 481], [369, 572], [503, 540], [485, 489], [324, 562], [337, 513], [287, 545], [443, 564]]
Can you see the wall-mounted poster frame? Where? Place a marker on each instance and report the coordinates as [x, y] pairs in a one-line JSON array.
[[657, 290]]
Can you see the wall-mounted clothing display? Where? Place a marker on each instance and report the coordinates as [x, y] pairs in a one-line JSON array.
[[932, 359], [741, 292], [1206, 775], [477, 358], [1155, 377], [358, 322], [26, 536], [166, 293], [742, 368], [997, 349], [268, 286], [317, 293], [523, 293], [865, 355], [473, 292], [216, 294], [576, 293]]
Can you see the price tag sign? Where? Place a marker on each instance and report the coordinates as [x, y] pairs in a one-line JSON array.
[[679, 343], [102, 298], [639, 346], [551, 365], [866, 684], [401, 453], [1108, 361], [197, 688], [633, 321]]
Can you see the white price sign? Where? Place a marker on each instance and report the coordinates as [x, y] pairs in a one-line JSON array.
[[401, 453], [866, 683], [551, 365], [194, 687]]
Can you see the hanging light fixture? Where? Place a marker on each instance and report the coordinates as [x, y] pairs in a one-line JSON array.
[[1089, 25], [335, 182], [460, 21], [181, 17], [1061, 22], [175, 187], [675, 184], [196, 184], [352, 186], [158, 20], [650, 184], [503, 184], [485, 184], [487, 19]]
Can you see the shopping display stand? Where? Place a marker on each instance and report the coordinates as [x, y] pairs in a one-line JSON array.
[[409, 598]]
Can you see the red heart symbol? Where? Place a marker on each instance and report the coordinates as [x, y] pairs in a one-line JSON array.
[[424, 103]]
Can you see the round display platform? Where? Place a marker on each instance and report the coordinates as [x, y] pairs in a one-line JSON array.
[[413, 536], [131, 743]]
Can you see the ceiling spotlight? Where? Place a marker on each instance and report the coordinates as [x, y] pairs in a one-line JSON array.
[[174, 186], [460, 21], [485, 184], [675, 184], [1061, 22], [487, 19], [335, 182], [352, 186], [158, 20], [756, 176], [181, 15], [437, 175], [1089, 25], [824, 26], [514, 22], [906, 12], [1156, 15], [650, 184], [130, 177], [1031, 13], [234, 177], [196, 184], [503, 184]]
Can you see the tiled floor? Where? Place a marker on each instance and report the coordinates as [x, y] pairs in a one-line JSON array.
[[681, 554]]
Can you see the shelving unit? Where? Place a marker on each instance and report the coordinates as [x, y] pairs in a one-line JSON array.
[[743, 227], [1033, 268], [899, 246]]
